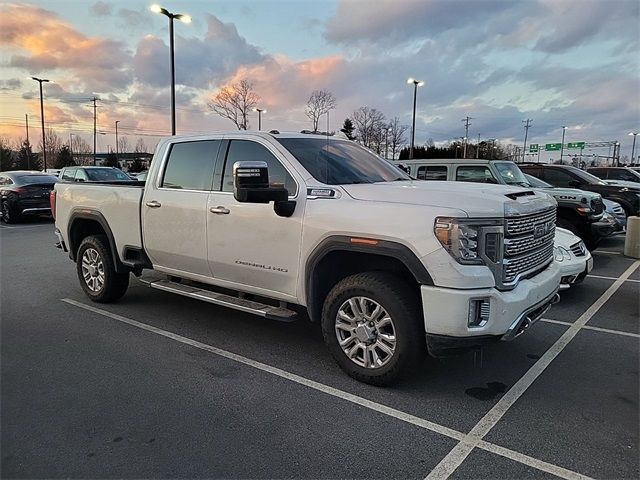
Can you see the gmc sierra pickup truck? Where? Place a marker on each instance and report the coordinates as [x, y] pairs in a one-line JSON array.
[[279, 224]]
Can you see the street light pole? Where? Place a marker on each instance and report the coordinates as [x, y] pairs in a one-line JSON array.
[[386, 143], [562, 144], [117, 159], [44, 148], [633, 149], [260, 112], [416, 84], [184, 19]]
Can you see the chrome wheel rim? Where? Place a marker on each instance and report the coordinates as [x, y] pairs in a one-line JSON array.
[[365, 332], [6, 215], [93, 269]]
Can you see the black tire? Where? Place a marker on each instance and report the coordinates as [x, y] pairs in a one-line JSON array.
[[114, 284], [401, 303], [8, 213]]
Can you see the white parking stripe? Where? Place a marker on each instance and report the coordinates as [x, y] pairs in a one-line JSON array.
[[612, 278], [460, 452], [589, 327], [606, 252], [377, 407]]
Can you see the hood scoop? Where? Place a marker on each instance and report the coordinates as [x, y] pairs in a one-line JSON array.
[[516, 195]]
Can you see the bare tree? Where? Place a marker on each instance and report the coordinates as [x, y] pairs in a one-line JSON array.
[[123, 145], [53, 145], [369, 123], [82, 151], [140, 147], [319, 103], [397, 136], [234, 102]]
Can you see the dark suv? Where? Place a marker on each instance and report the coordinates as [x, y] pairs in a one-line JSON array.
[[565, 176], [616, 173]]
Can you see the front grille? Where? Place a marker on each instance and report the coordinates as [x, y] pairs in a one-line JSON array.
[[578, 249], [528, 244]]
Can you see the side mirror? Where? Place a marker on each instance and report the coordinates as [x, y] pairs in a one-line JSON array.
[[251, 185]]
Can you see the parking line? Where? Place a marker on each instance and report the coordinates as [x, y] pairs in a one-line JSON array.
[[613, 278], [606, 252], [589, 327], [363, 402], [462, 450]]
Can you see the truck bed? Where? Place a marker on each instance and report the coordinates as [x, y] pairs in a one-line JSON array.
[[118, 203]]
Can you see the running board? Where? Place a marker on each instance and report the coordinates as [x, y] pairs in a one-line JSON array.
[[248, 306]]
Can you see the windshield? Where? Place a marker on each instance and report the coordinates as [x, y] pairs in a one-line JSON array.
[[341, 162], [106, 175], [536, 182], [511, 174], [587, 177]]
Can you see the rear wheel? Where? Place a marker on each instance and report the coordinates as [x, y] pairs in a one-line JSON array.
[[8, 213], [97, 273], [372, 326]]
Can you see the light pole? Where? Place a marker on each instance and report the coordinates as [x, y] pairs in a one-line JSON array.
[[386, 143], [616, 153], [117, 159], [260, 112], [71, 146], [562, 144], [185, 19], [416, 84], [633, 149], [44, 149]]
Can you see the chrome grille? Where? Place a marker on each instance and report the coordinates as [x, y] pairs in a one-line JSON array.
[[578, 249], [524, 251], [526, 263], [526, 224]]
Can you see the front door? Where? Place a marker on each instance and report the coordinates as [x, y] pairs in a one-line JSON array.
[[174, 209], [248, 243]]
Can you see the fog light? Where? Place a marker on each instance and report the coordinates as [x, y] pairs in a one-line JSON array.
[[479, 311]]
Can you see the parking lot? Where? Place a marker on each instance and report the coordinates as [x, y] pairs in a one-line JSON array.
[[158, 385]]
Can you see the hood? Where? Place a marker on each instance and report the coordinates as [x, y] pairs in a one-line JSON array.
[[475, 199], [565, 238]]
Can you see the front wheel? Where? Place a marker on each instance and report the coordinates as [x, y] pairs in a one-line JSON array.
[[372, 326], [97, 273]]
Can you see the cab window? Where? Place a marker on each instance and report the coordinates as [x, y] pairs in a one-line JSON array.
[[81, 175], [247, 150], [190, 165], [558, 178], [69, 174], [432, 172], [475, 173]]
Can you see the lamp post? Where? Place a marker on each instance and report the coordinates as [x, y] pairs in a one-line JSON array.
[[416, 84], [562, 144], [633, 149], [260, 112], [117, 159], [185, 19], [386, 143], [44, 149]]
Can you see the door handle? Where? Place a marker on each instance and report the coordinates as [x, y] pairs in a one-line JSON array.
[[219, 210], [153, 204]]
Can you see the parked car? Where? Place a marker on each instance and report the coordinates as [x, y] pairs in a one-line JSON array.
[[578, 211], [267, 222], [93, 174], [615, 173], [24, 192], [567, 176], [617, 214], [573, 257], [52, 171]]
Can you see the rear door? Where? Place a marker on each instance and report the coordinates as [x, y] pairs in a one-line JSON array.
[[174, 208]]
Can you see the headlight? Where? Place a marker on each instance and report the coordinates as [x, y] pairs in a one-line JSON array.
[[460, 238], [561, 253]]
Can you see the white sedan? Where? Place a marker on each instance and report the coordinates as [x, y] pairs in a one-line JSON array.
[[572, 256]]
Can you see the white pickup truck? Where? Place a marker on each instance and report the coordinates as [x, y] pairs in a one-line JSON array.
[[268, 223]]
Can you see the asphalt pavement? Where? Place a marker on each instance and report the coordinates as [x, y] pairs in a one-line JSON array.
[[161, 386]]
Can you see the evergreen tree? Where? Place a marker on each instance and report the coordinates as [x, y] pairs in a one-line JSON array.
[[6, 156], [111, 160], [64, 158], [27, 160], [348, 129]]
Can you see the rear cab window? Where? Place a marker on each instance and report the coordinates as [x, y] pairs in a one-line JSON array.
[[190, 165], [69, 174], [432, 172]]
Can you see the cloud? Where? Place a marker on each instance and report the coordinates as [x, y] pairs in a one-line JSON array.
[[200, 63], [10, 84], [132, 18], [40, 41], [101, 9]]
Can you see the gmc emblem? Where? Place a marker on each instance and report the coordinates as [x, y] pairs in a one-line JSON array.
[[542, 229]]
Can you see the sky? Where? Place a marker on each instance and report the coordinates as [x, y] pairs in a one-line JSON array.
[[557, 62]]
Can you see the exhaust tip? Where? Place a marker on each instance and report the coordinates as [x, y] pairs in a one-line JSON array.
[[556, 299]]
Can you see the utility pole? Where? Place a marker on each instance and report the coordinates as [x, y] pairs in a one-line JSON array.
[[117, 160], [478, 148], [26, 125], [564, 128], [71, 145], [527, 124], [466, 134], [94, 99]]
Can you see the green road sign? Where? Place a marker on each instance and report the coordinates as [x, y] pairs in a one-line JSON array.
[[579, 145], [533, 148], [552, 146]]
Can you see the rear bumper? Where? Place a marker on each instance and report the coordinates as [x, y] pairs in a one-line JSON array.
[[446, 310]]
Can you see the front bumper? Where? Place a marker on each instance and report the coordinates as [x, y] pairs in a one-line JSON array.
[[574, 270], [602, 229], [446, 310]]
